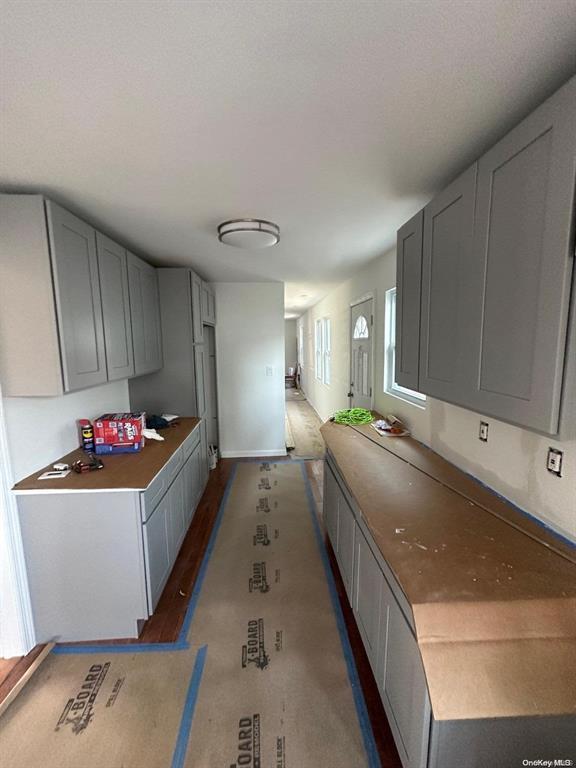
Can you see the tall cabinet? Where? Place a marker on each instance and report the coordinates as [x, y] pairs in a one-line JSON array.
[[180, 386]]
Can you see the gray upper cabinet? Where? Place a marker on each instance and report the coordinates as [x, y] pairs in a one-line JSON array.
[[497, 263], [196, 295], [446, 331], [408, 285], [78, 303], [524, 256], [112, 266], [145, 314], [208, 304]]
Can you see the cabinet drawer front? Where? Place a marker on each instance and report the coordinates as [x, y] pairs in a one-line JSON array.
[[190, 443], [158, 487]]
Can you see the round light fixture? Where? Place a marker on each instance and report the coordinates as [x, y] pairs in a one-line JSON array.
[[249, 233]]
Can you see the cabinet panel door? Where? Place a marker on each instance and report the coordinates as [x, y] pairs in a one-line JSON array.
[[523, 247], [113, 270], [405, 693], [345, 553], [145, 314], [204, 467], [197, 326], [78, 301], [176, 517], [408, 294], [447, 334], [205, 303], [330, 506], [199, 375], [157, 553], [367, 598]]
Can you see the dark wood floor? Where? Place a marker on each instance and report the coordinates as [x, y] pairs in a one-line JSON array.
[[165, 624]]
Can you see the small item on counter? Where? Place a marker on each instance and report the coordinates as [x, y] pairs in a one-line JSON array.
[[90, 465], [119, 432], [86, 431], [390, 426], [156, 422], [54, 474], [170, 417], [151, 434], [353, 416], [60, 467]]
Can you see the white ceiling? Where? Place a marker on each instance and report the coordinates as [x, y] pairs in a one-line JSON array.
[[158, 119]]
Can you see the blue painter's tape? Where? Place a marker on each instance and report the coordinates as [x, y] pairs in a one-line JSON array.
[[362, 712], [188, 711], [63, 650]]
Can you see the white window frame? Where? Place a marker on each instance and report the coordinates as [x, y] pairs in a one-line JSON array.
[[323, 350], [326, 350], [318, 358], [390, 386]]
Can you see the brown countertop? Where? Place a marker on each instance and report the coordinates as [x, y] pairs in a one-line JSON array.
[[121, 471], [494, 609]]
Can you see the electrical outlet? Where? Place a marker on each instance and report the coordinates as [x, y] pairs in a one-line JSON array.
[[269, 370], [483, 432], [554, 461]]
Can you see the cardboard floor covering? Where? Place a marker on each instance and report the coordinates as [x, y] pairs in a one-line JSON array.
[[264, 680]]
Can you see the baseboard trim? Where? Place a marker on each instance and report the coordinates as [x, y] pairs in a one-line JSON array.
[[253, 454]]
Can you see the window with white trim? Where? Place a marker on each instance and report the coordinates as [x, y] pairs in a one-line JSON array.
[[390, 385], [323, 350]]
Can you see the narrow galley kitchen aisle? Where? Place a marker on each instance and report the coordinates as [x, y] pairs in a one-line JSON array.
[[303, 438]]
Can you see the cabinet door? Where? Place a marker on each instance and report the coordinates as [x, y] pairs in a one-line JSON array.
[[199, 375], [524, 256], [157, 553], [330, 506], [404, 691], [447, 334], [197, 325], [145, 314], [408, 294], [213, 308], [176, 517], [204, 467], [367, 597], [113, 270], [78, 301], [345, 552], [205, 292]]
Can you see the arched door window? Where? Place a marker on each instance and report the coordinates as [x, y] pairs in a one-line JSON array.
[[361, 328]]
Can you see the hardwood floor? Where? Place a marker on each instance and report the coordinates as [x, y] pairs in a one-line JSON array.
[[164, 626]]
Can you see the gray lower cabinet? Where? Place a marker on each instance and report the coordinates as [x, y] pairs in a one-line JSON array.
[[447, 335], [97, 561], [330, 508], [366, 604], [340, 523], [408, 288], [145, 314], [78, 302], [113, 271]]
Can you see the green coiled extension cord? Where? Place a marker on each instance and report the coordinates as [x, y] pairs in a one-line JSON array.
[[353, 416]]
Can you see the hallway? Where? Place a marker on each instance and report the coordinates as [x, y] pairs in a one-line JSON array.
[[303, 438]]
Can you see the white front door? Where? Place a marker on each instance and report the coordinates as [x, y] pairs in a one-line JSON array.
[[361, 328]]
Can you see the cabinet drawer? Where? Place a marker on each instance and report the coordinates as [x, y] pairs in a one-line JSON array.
[[158, 487], [190, 443]]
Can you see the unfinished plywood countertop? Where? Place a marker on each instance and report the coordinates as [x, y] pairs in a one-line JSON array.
[[134, 471], [493, 595]]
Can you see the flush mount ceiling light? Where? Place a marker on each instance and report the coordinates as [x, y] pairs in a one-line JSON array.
[[249, 233]]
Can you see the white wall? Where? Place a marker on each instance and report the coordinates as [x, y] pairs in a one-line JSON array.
[[512, 462], [290, 345], [249, 346], [42, 429]]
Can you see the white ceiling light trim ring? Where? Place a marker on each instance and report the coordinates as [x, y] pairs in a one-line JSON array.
[[249, 233]]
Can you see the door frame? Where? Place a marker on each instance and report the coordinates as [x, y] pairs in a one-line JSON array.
[[369, 295]]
